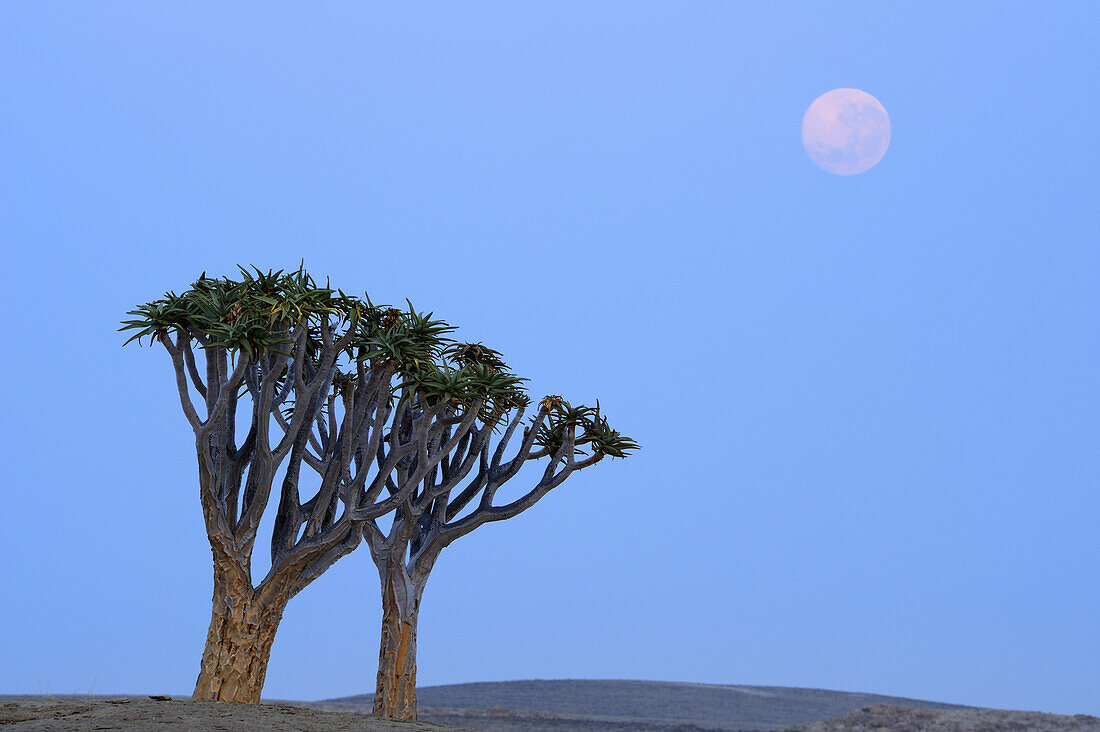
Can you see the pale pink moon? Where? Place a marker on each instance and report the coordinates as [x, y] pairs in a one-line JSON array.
[[846, 131]]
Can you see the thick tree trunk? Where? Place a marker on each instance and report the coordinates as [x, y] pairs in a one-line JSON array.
[[395, 692], [238, 644]]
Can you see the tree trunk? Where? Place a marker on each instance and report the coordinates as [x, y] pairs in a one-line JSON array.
[[395, 692], [238, 644]]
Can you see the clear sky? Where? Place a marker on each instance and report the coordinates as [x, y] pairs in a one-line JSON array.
[[869, 405]]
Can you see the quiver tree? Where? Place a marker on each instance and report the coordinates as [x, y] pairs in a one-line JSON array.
[[327, 383], [455, 495]]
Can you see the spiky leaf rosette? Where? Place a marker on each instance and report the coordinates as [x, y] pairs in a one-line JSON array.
[[250, 315], [594, 429]]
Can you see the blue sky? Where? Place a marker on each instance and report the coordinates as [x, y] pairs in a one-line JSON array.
[[868, 405]]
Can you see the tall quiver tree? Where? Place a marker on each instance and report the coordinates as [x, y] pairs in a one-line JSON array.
[[314, 372], [456, 495]]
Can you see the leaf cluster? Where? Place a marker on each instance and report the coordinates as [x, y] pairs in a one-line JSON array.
[[592, 428], [409, 340], [252, 314]]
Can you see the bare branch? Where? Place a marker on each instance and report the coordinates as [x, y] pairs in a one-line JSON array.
[[551, 478], [231, 385], [456, 474], [184, 344], [181, 382], [508, 471], [472, 490]]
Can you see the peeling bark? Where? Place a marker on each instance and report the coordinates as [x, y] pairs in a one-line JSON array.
[[395, 691], [243, 622]]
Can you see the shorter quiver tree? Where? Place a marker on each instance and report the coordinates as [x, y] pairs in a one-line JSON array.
[[452, 498], [314, 371]]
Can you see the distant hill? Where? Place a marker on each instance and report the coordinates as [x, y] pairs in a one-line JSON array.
[[592, 706]]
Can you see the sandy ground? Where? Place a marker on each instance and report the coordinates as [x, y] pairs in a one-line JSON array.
[[78, 715]]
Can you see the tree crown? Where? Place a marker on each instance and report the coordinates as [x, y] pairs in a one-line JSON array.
[[259, 311]]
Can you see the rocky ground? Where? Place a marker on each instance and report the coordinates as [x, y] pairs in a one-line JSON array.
[[885, 718], [126, 713], [143, 713]]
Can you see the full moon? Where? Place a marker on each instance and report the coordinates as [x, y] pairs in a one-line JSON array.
[[846, 131]]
